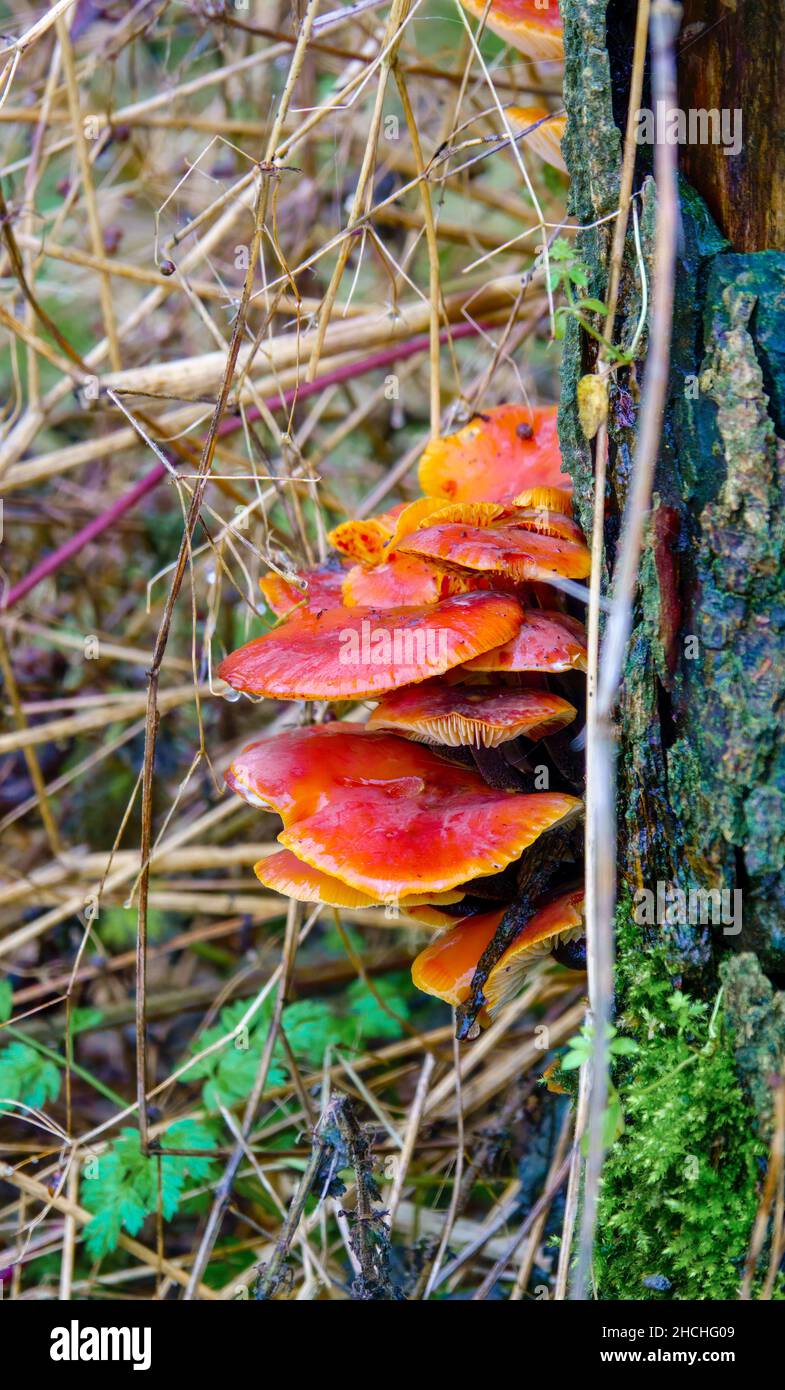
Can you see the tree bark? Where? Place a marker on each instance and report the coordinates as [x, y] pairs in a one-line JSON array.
[[701, 775]]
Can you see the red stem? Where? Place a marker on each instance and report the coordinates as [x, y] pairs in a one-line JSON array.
[[53, 562]]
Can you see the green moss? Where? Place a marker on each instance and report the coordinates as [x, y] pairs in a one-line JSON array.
[[689, 1153]]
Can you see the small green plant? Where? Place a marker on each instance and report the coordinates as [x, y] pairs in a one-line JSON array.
[[27, 1076], [579, 1050], [689, 1151], [569, 274], [121, 1187], [310, 1027]]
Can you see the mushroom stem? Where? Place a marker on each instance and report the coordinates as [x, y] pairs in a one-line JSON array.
[[498, 773]]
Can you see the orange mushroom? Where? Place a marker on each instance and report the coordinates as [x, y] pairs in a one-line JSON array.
[[546, 642], [401, 581], [348, 653], [558, 925], [544, 132], [535, 29], [287, 874], [492, 459], [551, 499], [510, 550], [446, 966], [480, 716], [322, 589], [370, 540], [546, 523], [432, 511], [364, 538], [386, 815]]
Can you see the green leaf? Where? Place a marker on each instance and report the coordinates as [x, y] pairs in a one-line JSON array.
[[82, 1019], [562, 250], [366, 1014], [573, 1059], [6, 1000], [26, 1076], [230, 1071], [311, 1026], [121, 1187], [595, 306]]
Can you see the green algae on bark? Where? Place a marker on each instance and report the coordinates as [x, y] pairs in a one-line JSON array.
[[702, 757], [701, 766], [756, 1014]]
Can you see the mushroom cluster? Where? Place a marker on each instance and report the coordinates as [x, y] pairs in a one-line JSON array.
[[457, 793]]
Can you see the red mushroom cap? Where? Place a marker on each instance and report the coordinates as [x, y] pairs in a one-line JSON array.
[[511, 550], [364, 538], [402, 581], [287, 874], [386, 815], [322, 589], [535, 32], [499, 453], [546, 642], [348, 653], [446, 966]]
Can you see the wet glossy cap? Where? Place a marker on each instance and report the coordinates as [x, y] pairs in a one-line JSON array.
[[510, 550], [386, 815], [501, 451], [402, 581], [446, 966], [287, 874], [347, 653], [547, 641], [321, 589]]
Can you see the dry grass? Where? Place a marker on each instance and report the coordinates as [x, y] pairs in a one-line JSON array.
[[245, 276]]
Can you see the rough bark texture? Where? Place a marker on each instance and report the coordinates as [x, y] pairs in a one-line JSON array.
[[702, 753], [732, 57]]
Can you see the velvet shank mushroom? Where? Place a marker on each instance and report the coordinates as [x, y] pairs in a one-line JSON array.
[[388, 816], [492, 459], [446, 967], [401, 581], [548, 642], [557, 929], [544, 132], [535, 30], [321, 589], [510, 550], [348, 653], [285, 873], [478, 717]]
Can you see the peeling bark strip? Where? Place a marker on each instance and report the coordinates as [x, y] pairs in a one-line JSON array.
[[702, 752]]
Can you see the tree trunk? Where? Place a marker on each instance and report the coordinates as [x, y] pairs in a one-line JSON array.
[[701, 774]]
